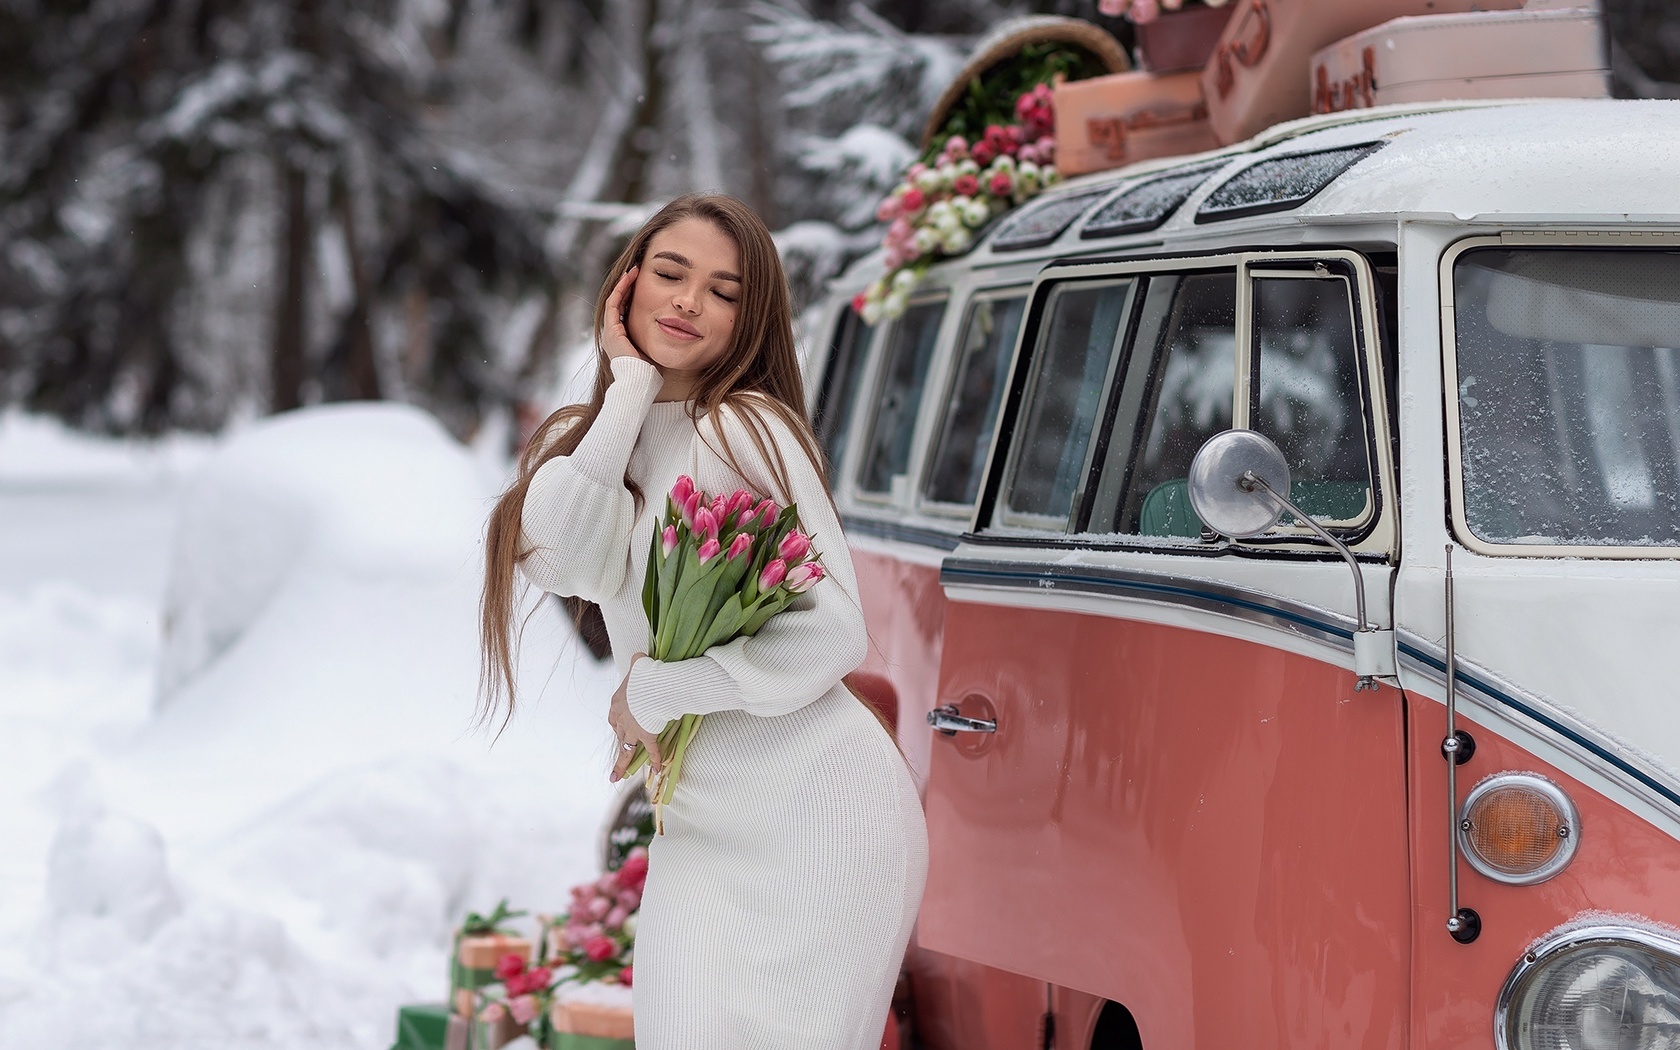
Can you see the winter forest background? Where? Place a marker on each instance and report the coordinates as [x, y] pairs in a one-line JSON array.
[[217, 209]]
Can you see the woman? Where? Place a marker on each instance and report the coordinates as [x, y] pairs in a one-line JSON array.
[[781, 895]]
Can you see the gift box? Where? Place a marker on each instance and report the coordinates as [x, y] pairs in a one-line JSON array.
[[465, 1033], [1111, 121], [472, 964], [1258, 75], [594, 1020], [1495, 54], [422, 1027]]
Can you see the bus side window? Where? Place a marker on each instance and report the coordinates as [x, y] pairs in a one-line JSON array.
[[1307, 392], [886, 450], [832, 417], [959, 451], [1073, 361], [1178, 391]]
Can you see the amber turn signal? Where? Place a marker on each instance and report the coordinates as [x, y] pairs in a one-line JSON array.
[[1518, 828]]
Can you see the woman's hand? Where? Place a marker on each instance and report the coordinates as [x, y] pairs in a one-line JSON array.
[[615, 337], [628, 731]]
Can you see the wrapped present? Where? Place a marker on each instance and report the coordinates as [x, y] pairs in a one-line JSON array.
[[465, 1033], [472, 964], [598, 1020], [1488, 54], [1258, 74], [1112, 121], [422, 1027]]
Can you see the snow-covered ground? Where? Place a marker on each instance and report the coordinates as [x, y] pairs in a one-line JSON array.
[[256, 826]]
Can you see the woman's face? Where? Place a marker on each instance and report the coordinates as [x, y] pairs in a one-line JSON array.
[[686, 297]]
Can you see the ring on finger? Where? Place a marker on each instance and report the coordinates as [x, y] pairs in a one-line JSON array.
[[627, 746]]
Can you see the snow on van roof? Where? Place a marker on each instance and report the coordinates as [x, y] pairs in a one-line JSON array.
[[1576, 160]]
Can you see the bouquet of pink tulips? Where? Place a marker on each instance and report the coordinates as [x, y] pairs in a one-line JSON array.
[[719, 568]]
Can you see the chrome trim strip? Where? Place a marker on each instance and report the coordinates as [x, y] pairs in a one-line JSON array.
[[1417, 655], [1560, 801], [892, 530], [1562, 940]]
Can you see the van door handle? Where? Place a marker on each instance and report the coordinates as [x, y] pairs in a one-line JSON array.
[[945, 719]]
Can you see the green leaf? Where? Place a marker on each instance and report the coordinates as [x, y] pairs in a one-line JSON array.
[[650, 586], [725, 623]]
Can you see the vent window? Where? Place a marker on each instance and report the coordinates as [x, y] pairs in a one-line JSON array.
[[1038, 225], [1147, 204], [1281, 183]]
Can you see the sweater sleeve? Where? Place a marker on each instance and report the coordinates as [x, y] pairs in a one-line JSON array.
[[578, 516], [800, 653]]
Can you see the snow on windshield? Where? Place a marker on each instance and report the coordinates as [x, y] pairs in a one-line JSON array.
[[1569, 396]]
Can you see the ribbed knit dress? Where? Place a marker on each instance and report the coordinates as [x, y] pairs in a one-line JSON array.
[[781, 896]]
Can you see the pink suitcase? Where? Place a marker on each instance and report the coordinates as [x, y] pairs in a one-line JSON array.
[[1256, 77], [1108, 122], [1492, 54]]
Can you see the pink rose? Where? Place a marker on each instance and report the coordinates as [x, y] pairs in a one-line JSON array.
[[858, 302], [957, 147], [523, 1009], [492, 1013], [887, 210], [509, 965], [599, 906], [912, 200], [772, 575], [615, 918], [600, 949], [983, 153], [633, 872], [966, 185], [625, 977], [1001, 184]]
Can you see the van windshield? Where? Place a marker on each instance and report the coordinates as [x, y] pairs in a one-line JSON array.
[[1569, 395]]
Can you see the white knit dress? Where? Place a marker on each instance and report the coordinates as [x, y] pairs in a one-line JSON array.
[[781, 896]]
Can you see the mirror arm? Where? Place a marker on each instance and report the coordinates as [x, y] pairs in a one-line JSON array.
[[1251, 481]]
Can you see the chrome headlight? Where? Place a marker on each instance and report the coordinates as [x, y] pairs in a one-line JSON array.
[[1597, 988]]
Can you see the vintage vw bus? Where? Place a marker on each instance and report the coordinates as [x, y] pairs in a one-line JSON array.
[[1186, 789]]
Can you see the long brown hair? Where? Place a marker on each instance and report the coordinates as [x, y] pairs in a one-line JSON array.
[[757, 374]]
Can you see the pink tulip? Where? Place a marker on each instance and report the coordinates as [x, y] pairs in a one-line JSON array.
[[681, 490], [772, 575], [599, 907], [523, 1009], [492, 1013], [740, 545], [709, 550], [766, 513], [795, 545], [720, 506], [668, 539], [887, 210], [804, 576], [705, 523], [690, 507], [615, 918], [741, 502]]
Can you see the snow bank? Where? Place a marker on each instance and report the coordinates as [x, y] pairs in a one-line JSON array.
[[274, 857]]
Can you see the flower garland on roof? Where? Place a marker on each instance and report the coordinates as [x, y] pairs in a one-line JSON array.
[[934, 212], [995, 151]]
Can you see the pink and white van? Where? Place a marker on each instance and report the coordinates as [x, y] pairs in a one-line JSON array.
[[1188, 790]]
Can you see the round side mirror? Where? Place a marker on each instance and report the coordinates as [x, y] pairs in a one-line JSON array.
[[1218, 494]]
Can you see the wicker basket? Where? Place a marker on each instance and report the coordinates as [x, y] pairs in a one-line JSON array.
[[1008, 39]]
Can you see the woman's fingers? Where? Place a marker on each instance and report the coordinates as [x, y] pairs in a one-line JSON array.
[[616, 337]]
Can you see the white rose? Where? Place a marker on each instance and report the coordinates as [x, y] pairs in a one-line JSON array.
[[928, 181], [1004, 163], [967, 167], [903, 281], [926, 240], [976, 213], [895, 304], [1050, 175], [872, 311], [957, 241]]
